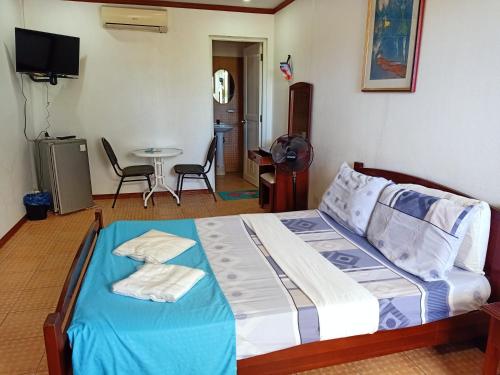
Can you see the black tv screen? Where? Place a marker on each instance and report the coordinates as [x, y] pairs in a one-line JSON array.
[[40, 52]]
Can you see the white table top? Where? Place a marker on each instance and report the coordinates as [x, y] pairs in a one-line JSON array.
[[157, 152]]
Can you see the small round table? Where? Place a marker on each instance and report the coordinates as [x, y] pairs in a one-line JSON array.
[[158, 155]]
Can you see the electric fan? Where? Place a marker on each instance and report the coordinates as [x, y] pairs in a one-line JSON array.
[[292, 154]]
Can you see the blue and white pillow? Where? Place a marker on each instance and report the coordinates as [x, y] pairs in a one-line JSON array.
[[417, 232], [351, 197], [472, 253]]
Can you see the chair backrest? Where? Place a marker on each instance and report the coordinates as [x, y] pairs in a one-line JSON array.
[[111, 155], [210, 155]]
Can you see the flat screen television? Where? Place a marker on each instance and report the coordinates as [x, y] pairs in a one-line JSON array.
[[46, 53]]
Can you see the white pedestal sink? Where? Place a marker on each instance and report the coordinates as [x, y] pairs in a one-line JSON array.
[[220, 129]]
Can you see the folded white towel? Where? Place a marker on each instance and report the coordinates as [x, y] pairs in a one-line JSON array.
[[154, 247], [159, 282]]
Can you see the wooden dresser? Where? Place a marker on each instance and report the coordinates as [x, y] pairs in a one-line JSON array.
[[299, 123], [283, 194]]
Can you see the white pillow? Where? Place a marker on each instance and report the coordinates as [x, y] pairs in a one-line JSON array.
[[417, 232], [472, 253], [154, 247], [351, 197]]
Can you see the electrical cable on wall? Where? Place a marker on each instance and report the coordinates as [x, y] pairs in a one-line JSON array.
[[43, 132], [47, 118], [25, 105]]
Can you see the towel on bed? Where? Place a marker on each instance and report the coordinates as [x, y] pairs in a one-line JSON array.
[[345, 307], [154, 247], [159, 282]]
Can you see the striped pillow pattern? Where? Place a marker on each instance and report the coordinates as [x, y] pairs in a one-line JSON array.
[[419, 233]]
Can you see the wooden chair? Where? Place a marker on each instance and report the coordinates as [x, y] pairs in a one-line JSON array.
[[267, 191]]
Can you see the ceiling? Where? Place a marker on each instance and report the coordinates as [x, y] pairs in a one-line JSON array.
[[269, 4], [252, 6]]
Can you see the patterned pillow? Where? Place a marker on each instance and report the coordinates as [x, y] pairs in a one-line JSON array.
[[472, 253], [417, 232], [351, 197]]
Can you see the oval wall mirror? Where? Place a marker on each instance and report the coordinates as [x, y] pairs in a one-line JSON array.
[[223, 86]]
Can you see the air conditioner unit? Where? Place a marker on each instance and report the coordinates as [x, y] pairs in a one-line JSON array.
[[135, 19]]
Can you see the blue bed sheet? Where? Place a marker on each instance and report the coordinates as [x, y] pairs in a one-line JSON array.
[[112, 334]]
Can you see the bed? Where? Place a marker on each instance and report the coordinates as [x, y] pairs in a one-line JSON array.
[[405, 302]]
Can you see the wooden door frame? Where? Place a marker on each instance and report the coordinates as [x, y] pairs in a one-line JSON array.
[[265, 130]]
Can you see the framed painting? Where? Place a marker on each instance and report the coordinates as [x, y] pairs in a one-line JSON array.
[[393, 34]]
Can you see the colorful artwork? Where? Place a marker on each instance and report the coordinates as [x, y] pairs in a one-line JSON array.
[[393, 35]]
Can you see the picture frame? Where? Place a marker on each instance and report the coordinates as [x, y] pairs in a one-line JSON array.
[[392, 45]]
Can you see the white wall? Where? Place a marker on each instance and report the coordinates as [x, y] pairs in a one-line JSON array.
[[448, 131], [15, 159], [139, 89], [229, 49]]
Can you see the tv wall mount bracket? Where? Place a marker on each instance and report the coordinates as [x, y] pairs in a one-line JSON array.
[[50, 78]]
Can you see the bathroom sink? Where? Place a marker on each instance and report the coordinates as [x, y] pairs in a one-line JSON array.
[[222, 128]]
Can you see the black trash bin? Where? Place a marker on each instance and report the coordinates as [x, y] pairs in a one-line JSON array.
[[37, 205]]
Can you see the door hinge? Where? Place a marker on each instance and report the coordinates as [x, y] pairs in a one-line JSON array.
[[260, 117], [261, 57]]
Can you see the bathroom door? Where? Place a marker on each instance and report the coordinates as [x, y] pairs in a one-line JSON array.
[[252, 120]]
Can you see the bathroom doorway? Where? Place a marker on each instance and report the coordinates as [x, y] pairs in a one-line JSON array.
[[237, 83]]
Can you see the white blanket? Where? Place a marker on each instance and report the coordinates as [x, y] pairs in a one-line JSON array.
[[345, 308], [159, 282], [154, 247]]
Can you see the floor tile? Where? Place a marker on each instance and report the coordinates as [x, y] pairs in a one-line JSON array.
[[23, 324], [20, 356], [14, 264], [42, 366], [11, 281], [7, 300], [448, 360], [232, 182], [42, 298], [47, 278], [394, 364], [62, 261]]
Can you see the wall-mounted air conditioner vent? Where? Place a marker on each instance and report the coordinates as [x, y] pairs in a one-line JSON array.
[[135, 19]]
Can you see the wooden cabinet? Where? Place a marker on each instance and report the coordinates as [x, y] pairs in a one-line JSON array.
[[283, 196], [300, 109], [299, 123], [284, 192]]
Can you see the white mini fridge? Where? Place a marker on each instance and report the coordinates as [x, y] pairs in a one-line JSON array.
[[63, 170]]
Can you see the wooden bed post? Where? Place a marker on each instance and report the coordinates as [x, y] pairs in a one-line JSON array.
[[98, 217], [54, 329], [55, 344], [358, 165]]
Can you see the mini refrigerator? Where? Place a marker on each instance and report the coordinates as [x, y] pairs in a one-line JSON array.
[[63, 170]]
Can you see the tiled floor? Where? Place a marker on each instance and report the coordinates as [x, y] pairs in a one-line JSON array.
[[232, 182], [33, 266]]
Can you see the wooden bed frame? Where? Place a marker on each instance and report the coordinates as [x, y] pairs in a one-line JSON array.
[[470, 326]]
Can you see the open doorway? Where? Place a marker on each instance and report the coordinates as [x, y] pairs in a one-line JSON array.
[[237, 96]]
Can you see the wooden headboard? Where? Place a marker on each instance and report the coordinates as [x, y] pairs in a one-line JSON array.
[[492, 266]]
